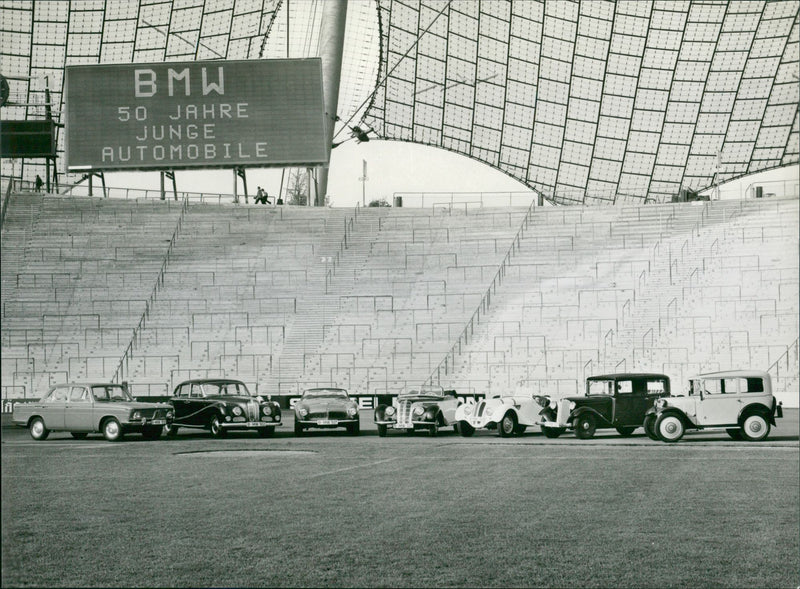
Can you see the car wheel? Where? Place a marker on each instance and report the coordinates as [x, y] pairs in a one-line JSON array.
[[625, 431], [465, 429], [670, 428], [216, 427], [79, 435], [755, 428], [553, 432], [112, 430], [354, 429], [171, 430], [735, 434], [152, 433], [520, 429], [433, 429], [650, 427], [266, 432], [382, 430], [507, 425], [38, 430], [585, 426], [298, 429]]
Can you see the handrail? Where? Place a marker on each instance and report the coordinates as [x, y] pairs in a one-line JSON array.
[[6, 200], [777, 364], [485, 302], [128, 353]]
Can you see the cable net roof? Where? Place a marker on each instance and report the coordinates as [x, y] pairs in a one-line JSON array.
[[595, 99], [582, 100]]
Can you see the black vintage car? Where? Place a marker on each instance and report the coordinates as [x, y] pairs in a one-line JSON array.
[[617, 401], [220, 405]]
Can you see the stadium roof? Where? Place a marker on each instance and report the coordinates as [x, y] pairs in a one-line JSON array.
[[590, 100]]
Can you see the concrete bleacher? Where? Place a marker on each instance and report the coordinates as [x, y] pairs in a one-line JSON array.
[[483, 300]]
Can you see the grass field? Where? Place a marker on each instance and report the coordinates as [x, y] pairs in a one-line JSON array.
[[332, 510]]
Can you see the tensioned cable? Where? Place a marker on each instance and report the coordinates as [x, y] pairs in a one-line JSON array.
[[389, 73]]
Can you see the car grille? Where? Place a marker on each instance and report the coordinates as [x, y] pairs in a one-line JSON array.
[[480, 409], [404, 413], [327, 415], [563, 412], [253, 410]]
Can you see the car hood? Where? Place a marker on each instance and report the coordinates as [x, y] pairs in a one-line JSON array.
[[590, 401], [134, 405], [325, 404], [683, 403]]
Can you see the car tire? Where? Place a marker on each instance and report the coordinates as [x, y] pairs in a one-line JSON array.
[[354, 429], [507, 425], [734, 433], [520, 429], [465, 429], [585, 426], [38, 430], [112, 430], [650, 427], [298, 429], [171, 430], [670, 428], [79, 435], [755, 428], [382, 430], [553, 432], [626, 431], [266, 432], [433, 429], [215, 425], [153, 432]]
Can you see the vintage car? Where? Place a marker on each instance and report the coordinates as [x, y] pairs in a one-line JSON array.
[[428, 408], [326, 408], [221, 405], [85, 408], [618, 401], [509, 414], [738, 401]]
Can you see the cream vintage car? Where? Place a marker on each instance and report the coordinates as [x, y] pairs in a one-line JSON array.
[[509, 414], [428, 408]]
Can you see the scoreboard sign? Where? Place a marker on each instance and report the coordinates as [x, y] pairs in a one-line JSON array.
[[198, 114]]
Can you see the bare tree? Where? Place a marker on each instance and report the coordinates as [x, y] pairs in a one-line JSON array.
[[297, 187]]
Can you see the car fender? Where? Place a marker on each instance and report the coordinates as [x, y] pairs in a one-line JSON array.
[[687, 423], [756, 408], [584, 410], [380, 412]]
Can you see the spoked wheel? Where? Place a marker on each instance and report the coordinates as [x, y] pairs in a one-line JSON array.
[[755, 428], [38, 429], [670, 428], [507, 425], [465, 429], [216, 427], [112, 430], [585, 426]]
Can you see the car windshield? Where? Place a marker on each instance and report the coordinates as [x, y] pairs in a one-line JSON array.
[[230, 389], [325, 394], [419, 395], [600, 387], [110, 393]]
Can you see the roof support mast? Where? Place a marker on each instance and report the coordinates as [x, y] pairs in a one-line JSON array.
[[334, 17]]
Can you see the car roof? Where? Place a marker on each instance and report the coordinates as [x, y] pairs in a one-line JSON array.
[[208, 380], [618, 375], [88, 383], [325, 389], [732, 374]]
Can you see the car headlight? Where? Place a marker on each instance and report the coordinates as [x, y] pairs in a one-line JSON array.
[[237, 410], [351, 411], [572, 405], [302, 411], [266, 410], [390, 411], [136, 416], [418, 410], [468, 409], [489, 412]]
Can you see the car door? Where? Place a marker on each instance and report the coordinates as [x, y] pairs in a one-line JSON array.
[[54, 407], [627, 404], [78, 410], [197, 406], [180, 404], [720, 402]]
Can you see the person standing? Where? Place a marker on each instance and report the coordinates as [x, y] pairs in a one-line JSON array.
[[39, 183]]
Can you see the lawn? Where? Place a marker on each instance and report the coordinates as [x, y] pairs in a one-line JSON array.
[[332, 510]]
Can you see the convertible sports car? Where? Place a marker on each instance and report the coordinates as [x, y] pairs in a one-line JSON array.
[[427, 409], [510, 415], [220, 405], [326, 408], [84, 408]]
